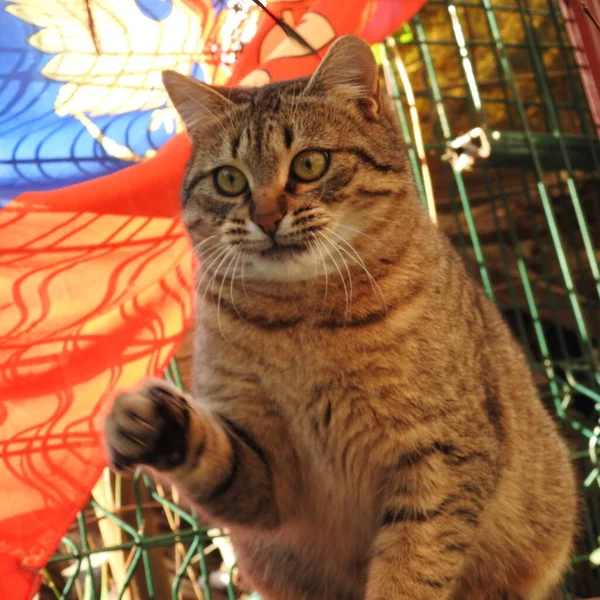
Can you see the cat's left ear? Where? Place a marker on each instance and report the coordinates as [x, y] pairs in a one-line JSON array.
[[197, 103], [349, 71]]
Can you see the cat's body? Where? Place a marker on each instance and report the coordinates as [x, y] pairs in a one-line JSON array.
[[369, 429], [454, 397]]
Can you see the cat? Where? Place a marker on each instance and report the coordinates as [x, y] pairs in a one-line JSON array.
[[361, 418]]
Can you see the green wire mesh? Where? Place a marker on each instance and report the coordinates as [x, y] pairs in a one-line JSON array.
[[506, 157], [500, 133]]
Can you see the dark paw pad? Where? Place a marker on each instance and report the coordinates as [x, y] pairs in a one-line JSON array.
[[148, 427]]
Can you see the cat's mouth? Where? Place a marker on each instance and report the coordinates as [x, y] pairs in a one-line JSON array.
[[279, 252]]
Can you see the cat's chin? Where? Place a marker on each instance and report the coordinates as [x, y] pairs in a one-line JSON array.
[[284, 264]]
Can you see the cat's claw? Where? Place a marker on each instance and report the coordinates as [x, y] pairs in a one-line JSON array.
[[148, 427]]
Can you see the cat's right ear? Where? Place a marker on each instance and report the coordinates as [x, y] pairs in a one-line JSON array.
[[348, 71], [197, 103]]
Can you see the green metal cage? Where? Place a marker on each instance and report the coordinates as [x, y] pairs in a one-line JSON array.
[[504, 144]]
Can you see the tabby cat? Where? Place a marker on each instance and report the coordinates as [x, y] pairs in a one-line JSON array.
[[361, 419]]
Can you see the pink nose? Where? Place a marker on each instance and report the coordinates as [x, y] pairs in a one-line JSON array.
[[268, 222]]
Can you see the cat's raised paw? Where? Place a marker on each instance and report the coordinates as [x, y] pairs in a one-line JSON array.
[[148, 427]]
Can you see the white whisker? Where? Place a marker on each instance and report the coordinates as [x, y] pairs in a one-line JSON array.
[[314, 257], [210, 252], [237, 260], [197, 246], [207, 271], [341, 277], [232, 249], [345, 262], [319, 244], [205, 263], [244, 261], [357, 231], [216, 272], [357, 258]]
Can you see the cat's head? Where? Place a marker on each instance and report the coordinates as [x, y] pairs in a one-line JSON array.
[[284, 177]]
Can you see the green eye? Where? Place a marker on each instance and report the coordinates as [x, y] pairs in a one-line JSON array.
[[230, 181], [310, 165]]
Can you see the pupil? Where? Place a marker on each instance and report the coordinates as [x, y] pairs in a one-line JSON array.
[[308, 164]]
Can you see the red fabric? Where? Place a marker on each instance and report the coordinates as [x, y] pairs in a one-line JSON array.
[[95, 294]]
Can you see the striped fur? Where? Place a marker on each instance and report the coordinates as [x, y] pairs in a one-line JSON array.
[[361, 419]]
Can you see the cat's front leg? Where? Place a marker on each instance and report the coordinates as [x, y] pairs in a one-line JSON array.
[[213, 461], [420, 555]]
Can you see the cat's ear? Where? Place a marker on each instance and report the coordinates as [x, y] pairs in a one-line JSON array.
[[348, 70], [197, 103]]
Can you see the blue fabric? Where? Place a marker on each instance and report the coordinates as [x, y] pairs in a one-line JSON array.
[[40, 150]]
